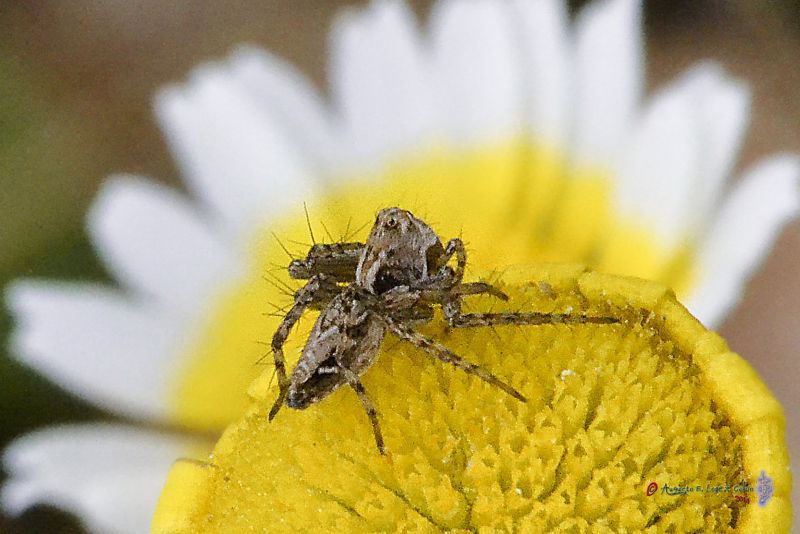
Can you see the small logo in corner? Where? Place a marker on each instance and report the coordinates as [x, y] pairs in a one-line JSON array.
[[764, 489], [651, 488]]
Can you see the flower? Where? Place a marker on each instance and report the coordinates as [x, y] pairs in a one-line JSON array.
[[502, 122], [612, 409]]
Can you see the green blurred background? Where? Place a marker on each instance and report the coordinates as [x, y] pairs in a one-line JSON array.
[[76, 81]]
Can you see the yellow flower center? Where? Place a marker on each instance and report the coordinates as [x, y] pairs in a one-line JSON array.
[[513, 204], [612, 409]]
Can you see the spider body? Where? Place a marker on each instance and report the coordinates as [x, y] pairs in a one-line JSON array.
[[345, 336], [393, 281]]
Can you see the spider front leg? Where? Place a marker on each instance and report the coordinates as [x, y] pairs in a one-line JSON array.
[[413, 305], [440, 292], [454, 247], [338, 261], [444, 354], [450, 299], [318, 290], [451, 310]]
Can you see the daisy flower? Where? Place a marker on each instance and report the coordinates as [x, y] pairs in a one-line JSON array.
[[503, 122]]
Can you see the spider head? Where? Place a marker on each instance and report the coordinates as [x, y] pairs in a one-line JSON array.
[[396, 222], [400, 250]]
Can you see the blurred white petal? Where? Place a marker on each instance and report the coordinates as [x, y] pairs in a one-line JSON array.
[[147, 233], [660, 166], [544, 41], [108, 475], [609, 79], [722, 111], [380, 82], [744, 230], [234, 154], [277, 86], [477, 67], [97, 343]]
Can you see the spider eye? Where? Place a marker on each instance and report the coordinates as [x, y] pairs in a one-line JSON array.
[[391, 222]]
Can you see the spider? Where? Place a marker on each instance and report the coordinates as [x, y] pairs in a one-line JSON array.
[[389, 284]]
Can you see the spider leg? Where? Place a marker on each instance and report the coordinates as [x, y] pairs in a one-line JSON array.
[[338, 261], [437, 291], [372, 413], [451, 308], [478, 288], [317, 289], [416, 315], [456, 247], [456, 319], [444, 354]]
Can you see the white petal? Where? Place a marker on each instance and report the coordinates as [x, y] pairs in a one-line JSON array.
[[96, 343], [722, 108], [276, 85], [609, 78], [660, 165], [380, 81], [156, 243], [680, 152], [478, 66], [108, 475], [233, 152], [742, 234], [546, 49]]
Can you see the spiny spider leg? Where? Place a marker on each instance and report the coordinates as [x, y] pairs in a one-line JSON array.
[[337, 260], [456, 247], [414, 305], [318, 289], [372, 413], [434, 293], [467, 320], [450, 299], [452, 313], [438, 292], [444, 354]]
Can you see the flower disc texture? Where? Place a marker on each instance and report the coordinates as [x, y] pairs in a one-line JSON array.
[[612, 408]]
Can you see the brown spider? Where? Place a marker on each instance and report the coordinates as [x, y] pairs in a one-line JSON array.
[[393, 280]]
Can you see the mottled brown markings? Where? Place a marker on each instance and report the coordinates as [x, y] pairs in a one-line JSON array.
[[390, 284], [336, 260]]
